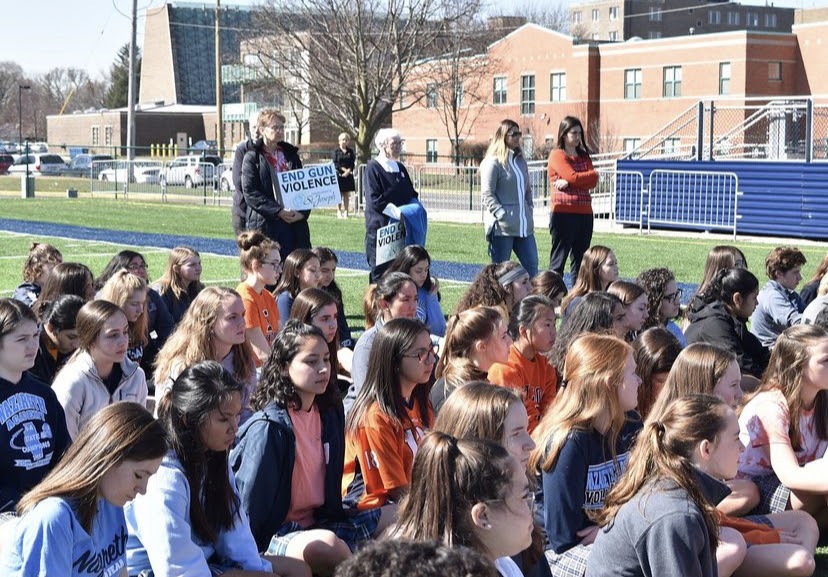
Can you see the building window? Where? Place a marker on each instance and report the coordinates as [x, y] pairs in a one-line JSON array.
[[775, 71], [672, 81], [724, 78], [595, 36], [631, 144], [732, 18], [431, 150], [653, 34], [613, 13], [632, 84], [714, 17], [499, 90], [402, 95], [770, 20], [557, 86], [459, 93], [670, 146], [596, 15], [528, 146], [527, 94], [96, 135], [576, 17], [613, 36], [108, 135], [431, 96], [752, 19], [655, 14]]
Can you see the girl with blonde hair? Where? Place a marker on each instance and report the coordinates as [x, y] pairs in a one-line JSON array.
[[129, 292], [181, 281]]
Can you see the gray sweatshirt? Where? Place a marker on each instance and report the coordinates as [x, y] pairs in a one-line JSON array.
[[507, 196]]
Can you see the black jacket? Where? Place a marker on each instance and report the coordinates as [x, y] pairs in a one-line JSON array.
[[715, 325], [263, 206], [239, 205]]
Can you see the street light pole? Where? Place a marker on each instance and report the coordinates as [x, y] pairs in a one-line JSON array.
[[20, 89]]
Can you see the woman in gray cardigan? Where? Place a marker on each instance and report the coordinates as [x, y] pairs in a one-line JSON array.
[[507, 196]]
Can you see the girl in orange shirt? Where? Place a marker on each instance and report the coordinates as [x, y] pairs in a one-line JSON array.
[[262, 264]]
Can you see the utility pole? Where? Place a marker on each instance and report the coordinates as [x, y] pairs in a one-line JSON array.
[[131, 104], [219, 119]]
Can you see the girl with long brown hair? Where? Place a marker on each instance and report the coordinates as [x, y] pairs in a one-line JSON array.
[[599, 269], [301, 271], [655, 350], [42, 258], [318, 308], [181, 281]]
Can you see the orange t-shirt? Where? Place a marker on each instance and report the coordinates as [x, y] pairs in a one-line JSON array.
[[307, 487], [260, 311], [536, 380], [379, 456]]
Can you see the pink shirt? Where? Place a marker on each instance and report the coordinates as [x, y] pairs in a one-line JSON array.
[[765, 420], [308, 480]]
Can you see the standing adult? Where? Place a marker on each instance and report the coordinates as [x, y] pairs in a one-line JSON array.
[[239, 210], [386, 181], [344, 159], [265, 209], [507, 196], [572, 177]]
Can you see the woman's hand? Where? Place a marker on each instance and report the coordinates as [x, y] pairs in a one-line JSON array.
[[290, 216], [560, 184]]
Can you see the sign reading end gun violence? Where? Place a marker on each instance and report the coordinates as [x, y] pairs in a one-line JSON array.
[[309, 187], [390, 242]]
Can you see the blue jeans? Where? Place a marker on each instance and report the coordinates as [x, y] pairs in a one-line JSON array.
[[501, 247]]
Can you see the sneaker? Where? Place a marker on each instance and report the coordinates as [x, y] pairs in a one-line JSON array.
[[339, 214], [345, 215]]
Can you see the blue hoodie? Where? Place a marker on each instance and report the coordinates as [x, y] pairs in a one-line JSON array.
[[50, 541], [161, 537], [430, 312]]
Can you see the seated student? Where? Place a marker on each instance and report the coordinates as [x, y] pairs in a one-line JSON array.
[[301, 271], [262, 264], [583, 445], [818, 304], [634, 299], [314, 306], [99, 372], [597, 312], [599, 269], [527, 370], [664, 300], [58, 337], [416, 559], [482, 411], [389, 417], [129, 292], [719, 258], [660, 518], [67, 278], [469, 492], [821, 319], [394, 296], [707, 369], [778, 306], [654, 351], [289, 455], [190, 520], [212, 329], [496, 285], [42, 258], [475, 340], [159, 321], [181, 281], [784, 425], [414, 261], [721, 315], [33, 436], [73, 523], [328, 262], [550, 284], [809, 291]]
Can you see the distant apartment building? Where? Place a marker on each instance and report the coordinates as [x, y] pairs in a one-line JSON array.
[[619, 20]]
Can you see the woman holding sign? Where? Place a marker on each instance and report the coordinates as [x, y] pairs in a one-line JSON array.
[[265, 210], [386, 181]]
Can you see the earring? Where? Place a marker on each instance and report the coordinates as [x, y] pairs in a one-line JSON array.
[[486, 525]]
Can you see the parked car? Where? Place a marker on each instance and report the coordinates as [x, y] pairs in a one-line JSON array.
[[6, 160], [150, 174], [192, 171], [226, 181], [38, 164], [205, 146], [87, 165]]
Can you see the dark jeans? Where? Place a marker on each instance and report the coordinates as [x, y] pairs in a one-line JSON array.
[[571, 237]]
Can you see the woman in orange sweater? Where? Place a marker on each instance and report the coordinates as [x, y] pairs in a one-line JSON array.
[[572, 177]]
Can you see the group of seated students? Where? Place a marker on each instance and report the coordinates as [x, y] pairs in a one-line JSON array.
[[614, 440]]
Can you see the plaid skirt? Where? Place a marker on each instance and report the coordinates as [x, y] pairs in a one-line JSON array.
[[354, 530], [773, 495], [570, 563]]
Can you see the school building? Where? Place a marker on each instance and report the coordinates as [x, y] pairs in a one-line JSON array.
[[623, 92]]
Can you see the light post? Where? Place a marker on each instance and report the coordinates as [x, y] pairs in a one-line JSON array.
[[20, 89]]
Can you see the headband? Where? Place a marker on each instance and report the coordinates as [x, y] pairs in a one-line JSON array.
[[511, 276]]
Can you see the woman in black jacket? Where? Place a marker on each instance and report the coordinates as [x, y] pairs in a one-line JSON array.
[[728, 302], [265, 210]]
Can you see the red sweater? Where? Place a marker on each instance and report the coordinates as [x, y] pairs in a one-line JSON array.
[[581, 176]]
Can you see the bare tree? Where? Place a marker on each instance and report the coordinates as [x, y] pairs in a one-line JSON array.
[[68, 89], [356, 56], [544, 14]]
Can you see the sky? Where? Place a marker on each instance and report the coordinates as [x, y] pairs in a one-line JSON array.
[[43, 34]]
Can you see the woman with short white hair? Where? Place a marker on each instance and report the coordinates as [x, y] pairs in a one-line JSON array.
[[385, 181]]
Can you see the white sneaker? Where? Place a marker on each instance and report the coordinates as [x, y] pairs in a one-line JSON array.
[[339, 214]]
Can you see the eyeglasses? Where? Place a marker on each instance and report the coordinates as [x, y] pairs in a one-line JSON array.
[[529, 499], [674, 297], [514, 133], [137, 267], [423, 355], [273, 263]]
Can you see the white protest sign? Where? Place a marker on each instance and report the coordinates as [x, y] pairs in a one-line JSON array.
[[309, 187], [390, 242]]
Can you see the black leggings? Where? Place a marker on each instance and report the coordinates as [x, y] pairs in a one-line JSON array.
[[571, 237]]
